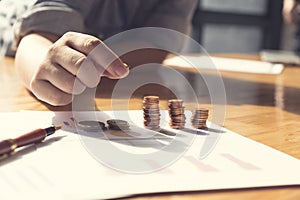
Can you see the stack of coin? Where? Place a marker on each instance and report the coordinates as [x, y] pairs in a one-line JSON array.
[[199, 118], [93, 126], [151, 112], [117, 124], [176, 113]]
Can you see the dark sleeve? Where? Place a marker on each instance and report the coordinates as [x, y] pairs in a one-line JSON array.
[[175, 15], [56, 17]]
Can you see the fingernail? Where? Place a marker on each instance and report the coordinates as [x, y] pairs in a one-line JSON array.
[[121, 70], [126, 66]]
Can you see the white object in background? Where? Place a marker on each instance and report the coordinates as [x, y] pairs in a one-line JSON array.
[[226, 64], [276, 56]]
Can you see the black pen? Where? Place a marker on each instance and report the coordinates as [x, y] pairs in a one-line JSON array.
[[9, 145]]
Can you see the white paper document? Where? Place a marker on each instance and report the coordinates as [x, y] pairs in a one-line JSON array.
[[62, 167], [226, 64]]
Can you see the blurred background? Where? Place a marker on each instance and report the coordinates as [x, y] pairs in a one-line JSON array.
[[221, 26], [244, 26]]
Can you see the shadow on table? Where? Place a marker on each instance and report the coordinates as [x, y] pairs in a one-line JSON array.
[[18, 154], [238, 92]]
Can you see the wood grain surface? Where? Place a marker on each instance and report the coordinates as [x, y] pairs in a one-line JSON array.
[[265, 108]]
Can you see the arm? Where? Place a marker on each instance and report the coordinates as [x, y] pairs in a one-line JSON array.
[[49, 66], [50, 59]]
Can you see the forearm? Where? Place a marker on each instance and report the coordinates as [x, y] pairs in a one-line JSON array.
[[30, 53]]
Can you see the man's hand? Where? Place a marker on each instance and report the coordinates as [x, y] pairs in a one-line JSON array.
[[73, 57]]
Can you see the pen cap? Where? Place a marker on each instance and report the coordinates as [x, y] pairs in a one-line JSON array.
[[35, 136]]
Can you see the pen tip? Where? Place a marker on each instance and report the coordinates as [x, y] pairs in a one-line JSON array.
[[57, 127]]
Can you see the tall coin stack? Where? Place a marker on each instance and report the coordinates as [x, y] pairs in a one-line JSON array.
[[176, 113], [151, 112], [199, 118]]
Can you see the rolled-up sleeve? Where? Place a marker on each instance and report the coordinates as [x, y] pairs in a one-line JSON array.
[[55, 17]]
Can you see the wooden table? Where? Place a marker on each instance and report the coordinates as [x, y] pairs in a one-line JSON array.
[[265, 108]]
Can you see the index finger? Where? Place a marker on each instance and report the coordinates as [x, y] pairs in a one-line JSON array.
[[105, 59]]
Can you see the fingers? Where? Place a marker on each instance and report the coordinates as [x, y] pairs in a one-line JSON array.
[[60, 78], [46, 92], [81, 42], [105, 60], [77, 64], [74, 59], [54, 85], [108, 74]]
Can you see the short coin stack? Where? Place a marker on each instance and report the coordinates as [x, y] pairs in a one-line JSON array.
[[151, 112], [199, 118], [176, 113], [92, 126], [117, 124]]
